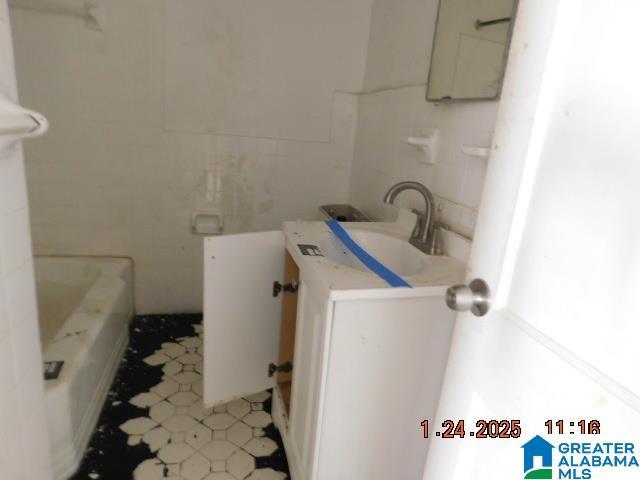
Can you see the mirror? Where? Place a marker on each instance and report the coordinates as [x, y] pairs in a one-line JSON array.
[[470, 49]]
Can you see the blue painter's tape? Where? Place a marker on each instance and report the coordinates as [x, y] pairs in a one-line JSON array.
[[371, 263]]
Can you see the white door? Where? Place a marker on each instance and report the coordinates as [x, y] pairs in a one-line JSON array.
[[558, 242], [241, 315]]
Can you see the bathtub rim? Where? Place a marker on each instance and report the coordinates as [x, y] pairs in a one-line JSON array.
[[70, 437]]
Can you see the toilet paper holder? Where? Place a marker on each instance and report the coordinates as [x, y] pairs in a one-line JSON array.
[[206, 223]]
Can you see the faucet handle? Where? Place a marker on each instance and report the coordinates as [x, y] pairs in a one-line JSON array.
[[435, 243]]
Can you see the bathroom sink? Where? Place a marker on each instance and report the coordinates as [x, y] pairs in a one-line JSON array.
[[396, 254]]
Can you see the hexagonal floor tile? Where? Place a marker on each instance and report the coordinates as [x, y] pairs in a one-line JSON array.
[[219, 421], [218, 466], [175, 452], [198, 436], [179, 423], [192, 342], [173, 471], [218, 450], [239, 434], [183, 399], [240, 464], [261, 447], [151, 469], [161, 411], [219, 476], [156, 438], [166, 388], [266, 474], [257, 419], [145, 400], [156, 359], [171, 368], [188, 441], [138, 426], [187, 377], [197, 411], [196, 388], [189, 358], [173, 349], [239, 408], [195, 467], [258, 397]]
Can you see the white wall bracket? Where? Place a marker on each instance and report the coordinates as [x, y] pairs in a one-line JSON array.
[[427, 143], [478, 152]]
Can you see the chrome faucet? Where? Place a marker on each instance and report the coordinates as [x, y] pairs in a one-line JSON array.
[[424, 235]]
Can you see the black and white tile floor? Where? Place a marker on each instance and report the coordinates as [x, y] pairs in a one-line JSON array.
[[154, 426]]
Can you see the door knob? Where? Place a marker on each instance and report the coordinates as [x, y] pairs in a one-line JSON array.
[[474, 297]]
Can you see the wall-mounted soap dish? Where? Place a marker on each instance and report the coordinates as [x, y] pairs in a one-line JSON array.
[[478, 152], [427, 142]]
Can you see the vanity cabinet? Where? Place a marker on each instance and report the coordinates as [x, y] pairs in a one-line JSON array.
[[367, 363]]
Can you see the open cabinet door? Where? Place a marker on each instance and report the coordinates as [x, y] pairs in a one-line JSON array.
[[241, 315]]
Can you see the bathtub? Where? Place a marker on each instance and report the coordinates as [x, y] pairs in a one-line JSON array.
[[85, 305]]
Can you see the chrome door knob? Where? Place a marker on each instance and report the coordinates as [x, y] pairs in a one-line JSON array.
[[475, 297]]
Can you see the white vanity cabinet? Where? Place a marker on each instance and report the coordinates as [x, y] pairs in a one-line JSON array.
[[367, 362]]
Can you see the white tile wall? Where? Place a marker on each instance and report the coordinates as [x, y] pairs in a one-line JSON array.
[[393, 107], [24, 442], [265, 69], [381, 159], [109, 180]]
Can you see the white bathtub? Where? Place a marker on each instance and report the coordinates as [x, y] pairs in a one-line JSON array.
[[85, 305]]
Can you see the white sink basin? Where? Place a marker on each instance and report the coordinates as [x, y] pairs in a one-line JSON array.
[[394, 253]]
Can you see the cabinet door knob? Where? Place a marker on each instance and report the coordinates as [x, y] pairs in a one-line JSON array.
[[475, 297]]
